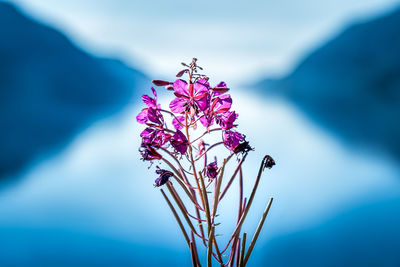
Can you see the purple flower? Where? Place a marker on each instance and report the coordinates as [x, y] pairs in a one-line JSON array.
[[163, 178], [178, 122], [212, 169], [207, 119], [151, 113], [179, 142], [155, 116], [192, 97], [227, 119], [236, 142], [155, 138], [148, 152], [219, 105], [232, 139]]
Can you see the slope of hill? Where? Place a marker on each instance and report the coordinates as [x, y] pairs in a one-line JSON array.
[[50, 89], [352, 84]]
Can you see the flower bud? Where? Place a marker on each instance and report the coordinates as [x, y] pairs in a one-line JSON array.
[[220, 90], [169, 87], [160, 82], [179, 74]]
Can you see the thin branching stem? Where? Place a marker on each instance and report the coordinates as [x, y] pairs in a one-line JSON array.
[[233, 177], [246, 210], [216, 192], [206, 132], [260, 225], [195, 250], [207, 207], [208, 149], [182, 208], [191, 158], [241, 263], [176, 217], [209, 247]]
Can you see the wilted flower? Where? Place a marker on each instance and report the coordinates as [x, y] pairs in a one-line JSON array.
[[163, 178], [154, 137], [243, 147], [269, 162], [212, 169], [148, 152], [232, 139]]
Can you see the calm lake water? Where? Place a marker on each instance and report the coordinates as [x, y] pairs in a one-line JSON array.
[[95, 202]]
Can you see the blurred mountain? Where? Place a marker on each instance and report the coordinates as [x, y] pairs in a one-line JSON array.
[[50, 89], [351, 84], [363, 236]]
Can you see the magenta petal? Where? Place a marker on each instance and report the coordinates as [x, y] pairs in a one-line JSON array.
[[227, 119], [203, 103], [155, 116], [178, 105], [150, 102], [178, 122], [232, 139], [207, 121], [201, 87], [181, 88], [220, 85], [146, 132], [223, 104], [179, 142], [142, 117]]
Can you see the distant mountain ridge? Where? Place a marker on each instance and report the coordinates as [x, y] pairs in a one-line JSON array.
[[351, 84], [50, 89]]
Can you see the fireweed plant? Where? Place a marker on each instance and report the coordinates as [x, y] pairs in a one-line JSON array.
[[197, 112]]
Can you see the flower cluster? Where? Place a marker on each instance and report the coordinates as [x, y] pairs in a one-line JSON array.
[[194, 101], [170, 134]]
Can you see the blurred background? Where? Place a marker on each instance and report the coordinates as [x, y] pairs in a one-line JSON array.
[[316, 84]]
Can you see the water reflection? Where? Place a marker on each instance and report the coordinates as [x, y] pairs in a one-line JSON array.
[[97, 190]]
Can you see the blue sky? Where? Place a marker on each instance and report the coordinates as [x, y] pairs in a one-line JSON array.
[[236, 40]]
